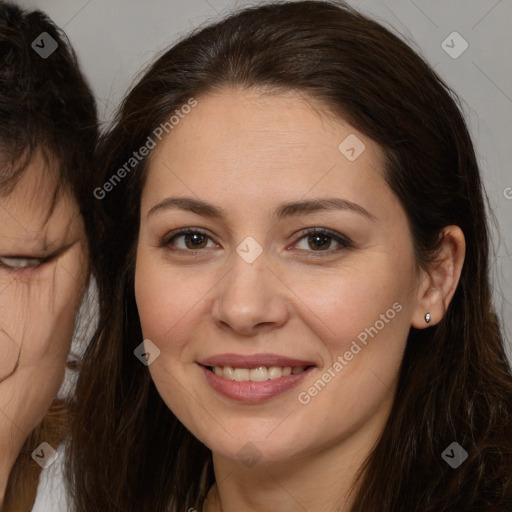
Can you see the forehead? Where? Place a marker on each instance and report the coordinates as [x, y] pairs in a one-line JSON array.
[[245, 143], [36, 206]]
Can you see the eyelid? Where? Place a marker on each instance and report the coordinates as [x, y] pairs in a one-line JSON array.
[[41, 259], [181, 232], [3, 264]]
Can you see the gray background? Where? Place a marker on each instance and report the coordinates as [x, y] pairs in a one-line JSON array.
[[115, 39]]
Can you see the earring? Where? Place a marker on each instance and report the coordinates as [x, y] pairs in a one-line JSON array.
[[427, 318]]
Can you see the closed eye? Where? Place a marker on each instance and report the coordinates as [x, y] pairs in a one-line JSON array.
[[20, 262]]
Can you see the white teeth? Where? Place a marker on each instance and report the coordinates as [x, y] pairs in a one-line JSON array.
[[241, 374], [228, 373], [259, 374], [274, 372]]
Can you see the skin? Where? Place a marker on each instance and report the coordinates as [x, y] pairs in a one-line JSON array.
[[38, 303], [247, 153]]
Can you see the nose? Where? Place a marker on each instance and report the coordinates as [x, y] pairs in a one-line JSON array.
[[251, 299]]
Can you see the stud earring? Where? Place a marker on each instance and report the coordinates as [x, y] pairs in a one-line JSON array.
[[427, 318]]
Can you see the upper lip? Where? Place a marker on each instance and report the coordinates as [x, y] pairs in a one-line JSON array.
[[253, 361]]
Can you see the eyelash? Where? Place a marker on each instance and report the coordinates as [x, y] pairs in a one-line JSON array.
[[344, 242]]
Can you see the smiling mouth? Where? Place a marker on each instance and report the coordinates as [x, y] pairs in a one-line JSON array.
[[258, 374]]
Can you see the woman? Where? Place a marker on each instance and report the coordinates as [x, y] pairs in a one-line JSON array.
[[47, 133], [295, 309]]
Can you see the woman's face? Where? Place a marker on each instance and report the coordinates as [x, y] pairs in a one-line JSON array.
[[43, 270], [253, 287]]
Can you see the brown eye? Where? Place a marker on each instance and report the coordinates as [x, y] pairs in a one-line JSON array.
[[320, 240], [191, 240], [195, 240]]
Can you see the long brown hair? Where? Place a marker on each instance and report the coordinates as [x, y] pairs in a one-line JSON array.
[[47, 107], [128, 451]]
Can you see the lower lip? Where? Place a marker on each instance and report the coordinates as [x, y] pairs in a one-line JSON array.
[[253, 392]]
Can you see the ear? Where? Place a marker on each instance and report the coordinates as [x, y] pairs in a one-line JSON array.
[[438, 284]]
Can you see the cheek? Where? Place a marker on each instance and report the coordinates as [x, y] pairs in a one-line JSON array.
[[165, 297], [361, 317], [342, 304], [165, 301], [362, 320], [9, 344], [37, 318], [70, 277]]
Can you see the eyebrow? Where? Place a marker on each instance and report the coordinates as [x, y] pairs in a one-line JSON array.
[[283, 211]]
